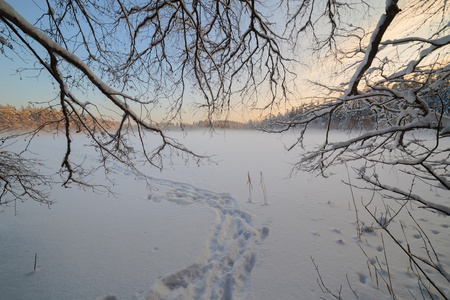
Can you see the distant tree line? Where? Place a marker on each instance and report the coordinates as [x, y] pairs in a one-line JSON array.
[[30, 118], [219, 124]]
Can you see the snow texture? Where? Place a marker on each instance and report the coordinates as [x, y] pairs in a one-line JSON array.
[[195, 235]]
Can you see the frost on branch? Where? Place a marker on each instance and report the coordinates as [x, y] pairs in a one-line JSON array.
[[389, 123], [397, 110]]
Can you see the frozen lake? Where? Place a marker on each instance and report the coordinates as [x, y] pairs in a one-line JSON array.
[[195, 234]]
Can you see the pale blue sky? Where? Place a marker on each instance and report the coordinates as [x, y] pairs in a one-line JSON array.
[[20, 89], [16, 89]]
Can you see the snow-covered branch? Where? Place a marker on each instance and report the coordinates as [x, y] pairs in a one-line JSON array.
[[389, 120], [407, 195], [372, 49]]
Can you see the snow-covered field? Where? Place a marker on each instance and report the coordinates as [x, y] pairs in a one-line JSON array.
[[196, 235]]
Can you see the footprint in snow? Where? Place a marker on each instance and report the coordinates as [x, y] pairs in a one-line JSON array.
[[223, 271], [264, 233], [362, 278]]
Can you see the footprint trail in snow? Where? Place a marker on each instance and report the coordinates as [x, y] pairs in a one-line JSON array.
[[223, 270]]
